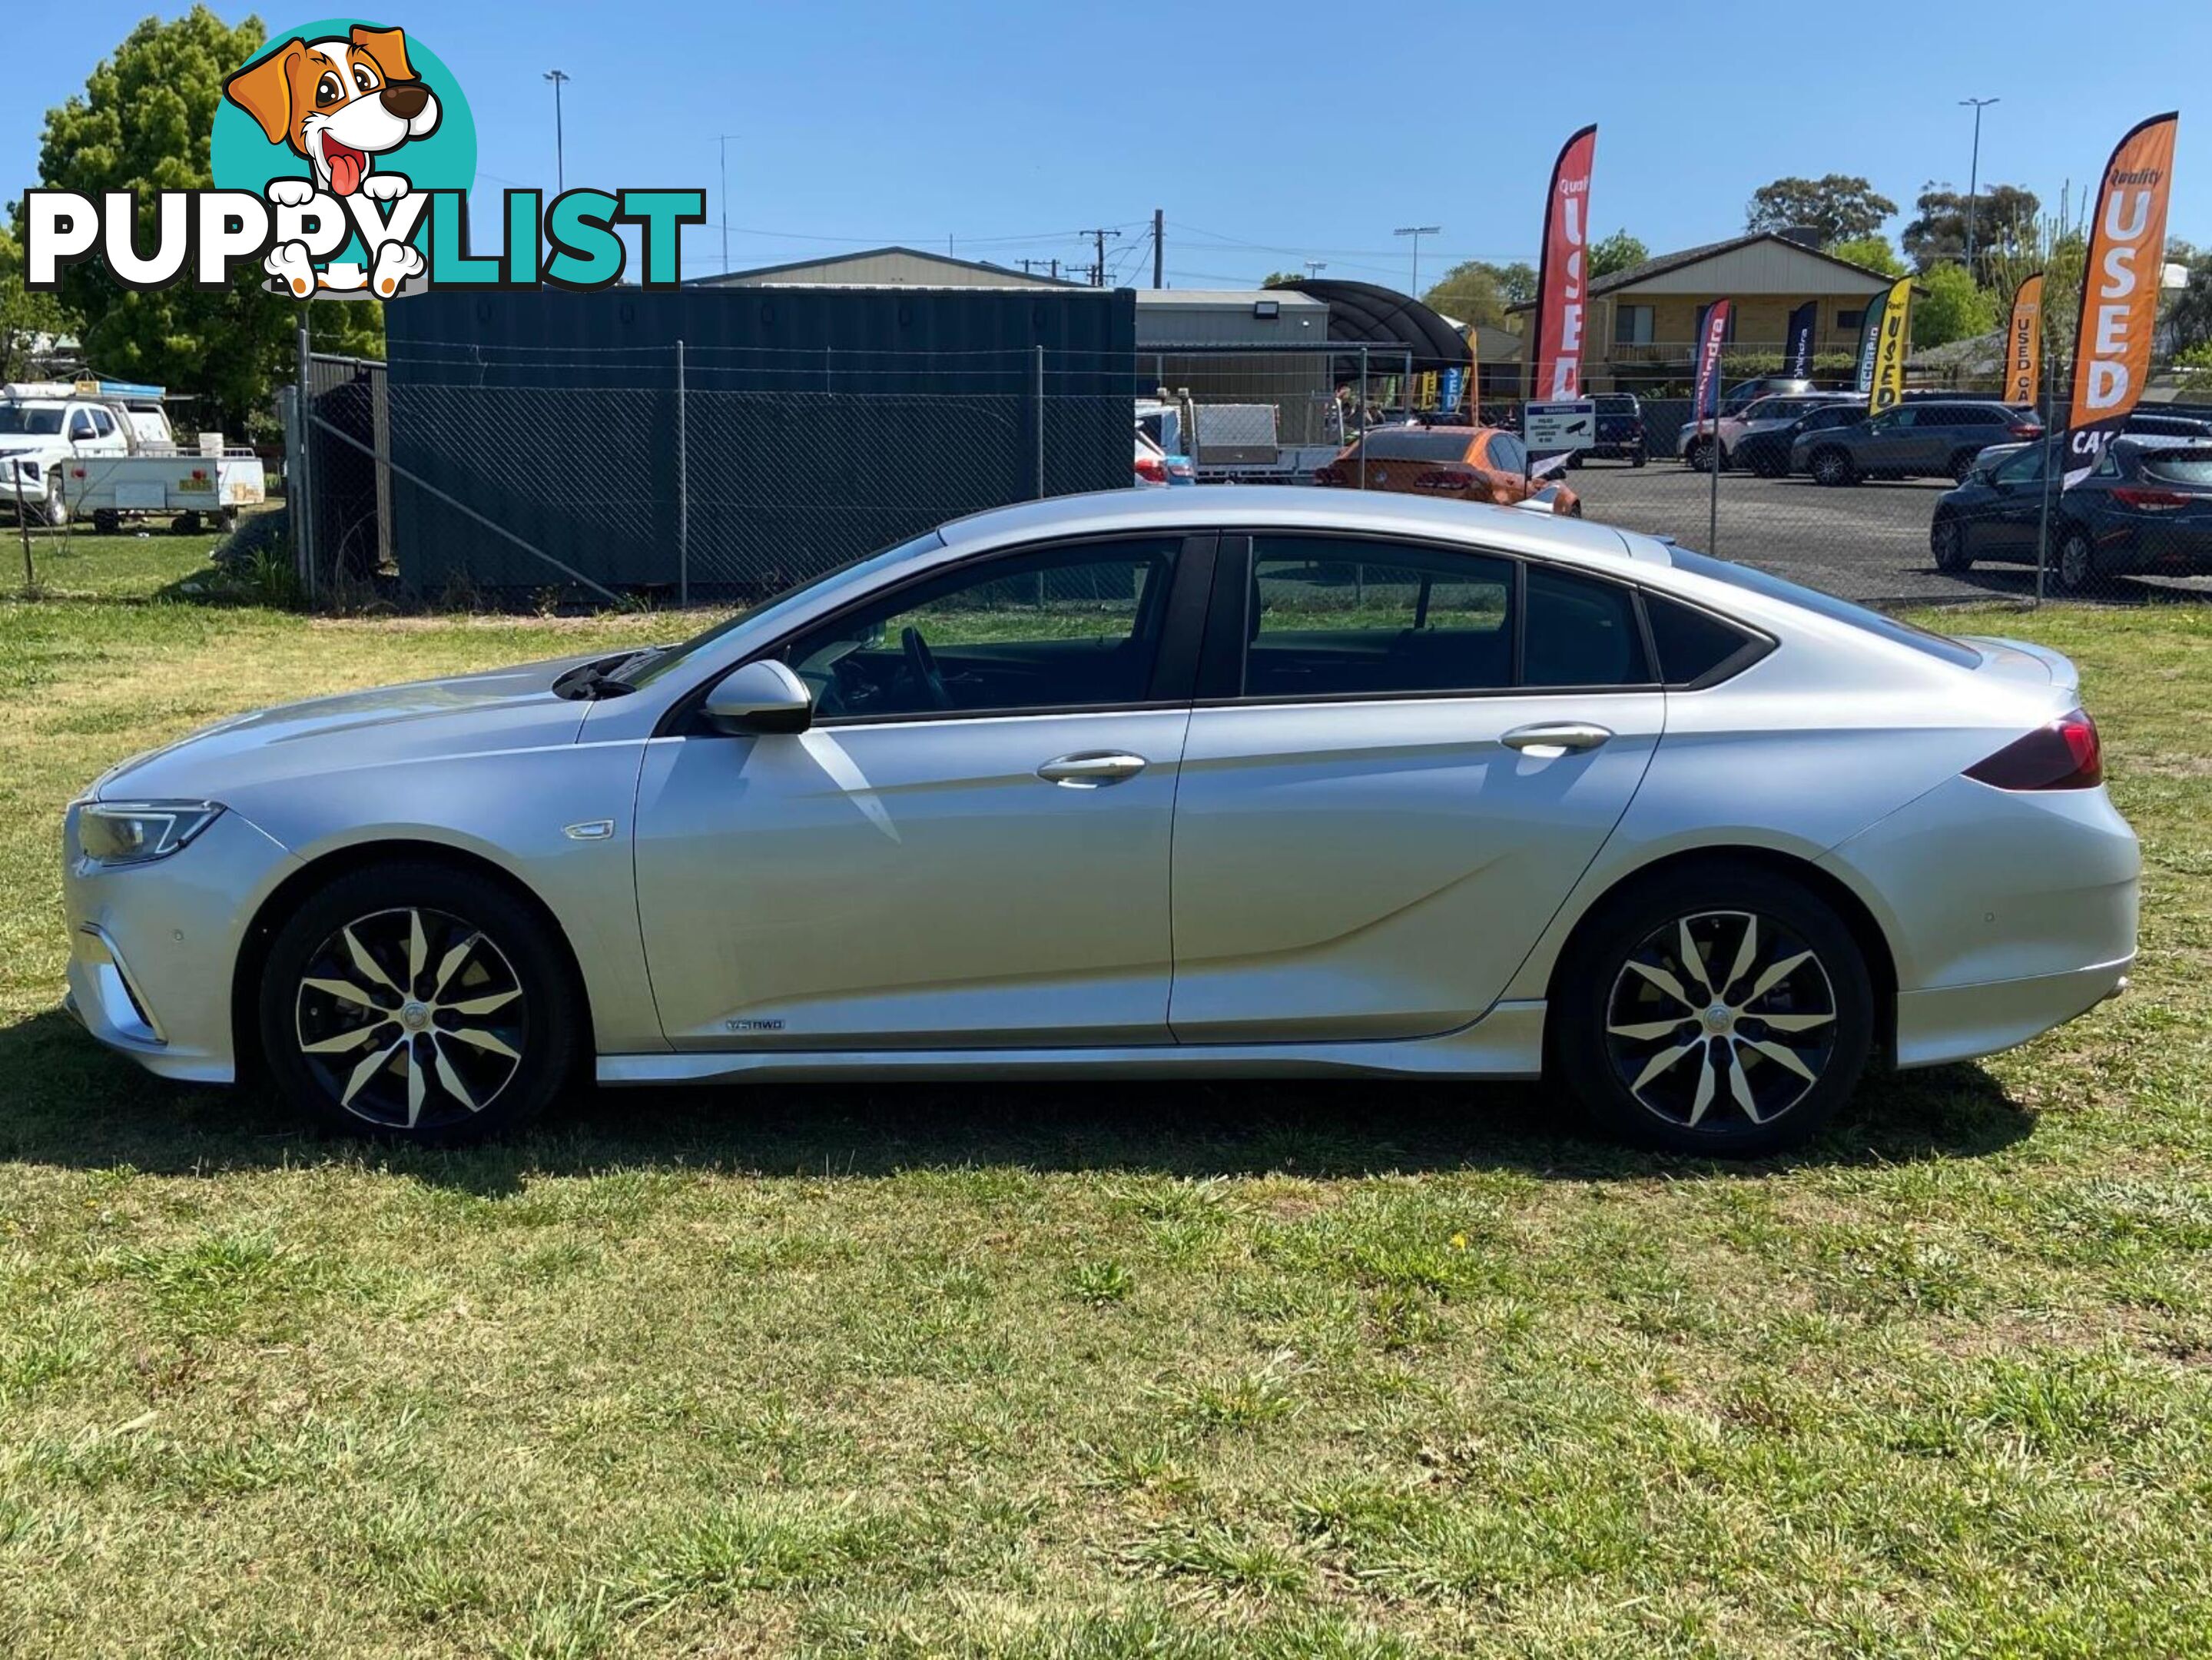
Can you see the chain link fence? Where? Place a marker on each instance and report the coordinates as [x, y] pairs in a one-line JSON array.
[[692, 476]]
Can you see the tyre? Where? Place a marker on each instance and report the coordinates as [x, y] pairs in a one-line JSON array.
[[1961, 465], [2076, 572], [1699, 456], [185, 524], [420, 1004], [107, 521], [1714, 1009], [1947, 540], [1637, 459], [55, 511], [1833, 466]]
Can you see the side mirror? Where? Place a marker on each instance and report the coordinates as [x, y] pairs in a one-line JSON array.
[[759, 699]]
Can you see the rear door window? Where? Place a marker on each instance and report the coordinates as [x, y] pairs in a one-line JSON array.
[[1334, 617], [1580, 632], [2180, 467]]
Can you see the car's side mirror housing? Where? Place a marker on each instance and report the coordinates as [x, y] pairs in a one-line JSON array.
[[759, 700]]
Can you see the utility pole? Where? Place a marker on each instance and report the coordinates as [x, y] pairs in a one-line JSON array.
[[1314, 267], [1098, 269], [1417, 231], [1159, 244], [723, 140], [560, 163], [1974, 173]]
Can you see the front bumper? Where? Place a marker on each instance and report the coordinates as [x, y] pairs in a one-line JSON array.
[[152, 947]]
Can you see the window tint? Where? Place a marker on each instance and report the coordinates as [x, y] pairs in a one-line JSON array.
[[2022, 469], [1690, 643], [1580, 632], [1068, 626], [80, 424], [1418, 444], [1758, 581], [1506, 454], [2180, 467], [1336, 617]]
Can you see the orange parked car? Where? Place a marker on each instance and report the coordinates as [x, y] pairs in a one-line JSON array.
[[1465, 464]]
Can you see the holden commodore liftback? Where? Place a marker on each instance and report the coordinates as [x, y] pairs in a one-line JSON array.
[[1241, 782]]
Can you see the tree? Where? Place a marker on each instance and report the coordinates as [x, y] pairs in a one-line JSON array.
[[2004, 219], [143, 124], [1838, 207], [1274, 277], [23, 315], [2187, 317], [1477, 291], [1953, 308], [1617, 252], [1874, 252]]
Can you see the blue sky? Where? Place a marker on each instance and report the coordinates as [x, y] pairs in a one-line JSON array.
[[1270, 134]]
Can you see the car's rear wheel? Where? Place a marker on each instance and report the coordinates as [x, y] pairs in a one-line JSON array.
[[1961, 465], [1947, 540], [419, 1003], [1833, 466], [1714, 1009], [1637, 458], [2076, 573], [1699, 456]]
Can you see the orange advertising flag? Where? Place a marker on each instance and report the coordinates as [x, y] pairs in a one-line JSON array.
[[2024, 341], [2119, 291]]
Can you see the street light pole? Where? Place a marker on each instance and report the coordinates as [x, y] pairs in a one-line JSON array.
[[1314, 267], [1417, 231], [560, 161], [1974, 173], [723, 140]]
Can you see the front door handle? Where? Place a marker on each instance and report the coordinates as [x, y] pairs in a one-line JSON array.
[[1548, 738], [1091, 770]]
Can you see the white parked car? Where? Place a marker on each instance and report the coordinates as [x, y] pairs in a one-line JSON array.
[[43, 431], [1249, 782]]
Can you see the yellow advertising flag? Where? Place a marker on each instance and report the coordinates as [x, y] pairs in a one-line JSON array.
[[1890, 346], [2024, 341]]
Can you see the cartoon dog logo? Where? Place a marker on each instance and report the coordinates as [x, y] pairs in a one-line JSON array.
[[341, 104]]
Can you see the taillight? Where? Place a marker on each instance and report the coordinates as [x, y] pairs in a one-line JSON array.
[[1151, 470], [1441, 478], [2145, 500], [2027, 429], [1329, 475], [2063, 755]]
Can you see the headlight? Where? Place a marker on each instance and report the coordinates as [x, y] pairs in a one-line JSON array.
[[138, 832]]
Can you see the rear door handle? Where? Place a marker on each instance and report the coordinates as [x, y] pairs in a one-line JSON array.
[[1091, 770], [1547, 738]]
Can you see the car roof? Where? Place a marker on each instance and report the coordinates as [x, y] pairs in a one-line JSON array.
[[1290, 508], [2160, 440]]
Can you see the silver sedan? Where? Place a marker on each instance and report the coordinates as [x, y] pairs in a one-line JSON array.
[[1253, 782]]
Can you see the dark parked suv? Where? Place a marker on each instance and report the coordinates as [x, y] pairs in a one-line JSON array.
[[1935, 438], [1619, 428], [2145, 509]]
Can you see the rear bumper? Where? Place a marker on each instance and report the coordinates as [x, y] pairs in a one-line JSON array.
[[1957, 1023]]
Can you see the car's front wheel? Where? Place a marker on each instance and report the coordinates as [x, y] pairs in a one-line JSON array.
[[1947, 540], [1833, 466], [1715, 1010], [420, 1003]]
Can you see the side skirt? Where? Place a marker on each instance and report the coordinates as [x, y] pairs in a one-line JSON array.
[[1507, 1042]]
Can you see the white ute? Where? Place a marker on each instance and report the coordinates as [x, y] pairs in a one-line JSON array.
[[105, 449]]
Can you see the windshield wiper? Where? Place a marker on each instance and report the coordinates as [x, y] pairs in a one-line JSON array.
[[608, 678]]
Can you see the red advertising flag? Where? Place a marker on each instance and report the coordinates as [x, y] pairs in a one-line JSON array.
[[1712, 335], [1562, 280], [2119, 291]]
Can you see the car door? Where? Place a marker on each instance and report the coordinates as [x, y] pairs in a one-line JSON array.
[[1402, 757], [2006, 524], [969, 845]]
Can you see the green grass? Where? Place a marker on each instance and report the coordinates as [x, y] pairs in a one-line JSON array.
[[1275, 1370]]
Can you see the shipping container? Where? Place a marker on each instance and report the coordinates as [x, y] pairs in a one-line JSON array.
[[724, 443]]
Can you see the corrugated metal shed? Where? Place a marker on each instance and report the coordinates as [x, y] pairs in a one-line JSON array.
[[891, 267], [815, 425]]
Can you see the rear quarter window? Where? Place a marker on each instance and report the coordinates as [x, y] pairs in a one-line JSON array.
[[1694, 646]]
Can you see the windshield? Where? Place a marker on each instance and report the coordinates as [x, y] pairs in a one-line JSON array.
[[35, 420], [1827, 605], [669, 658]]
